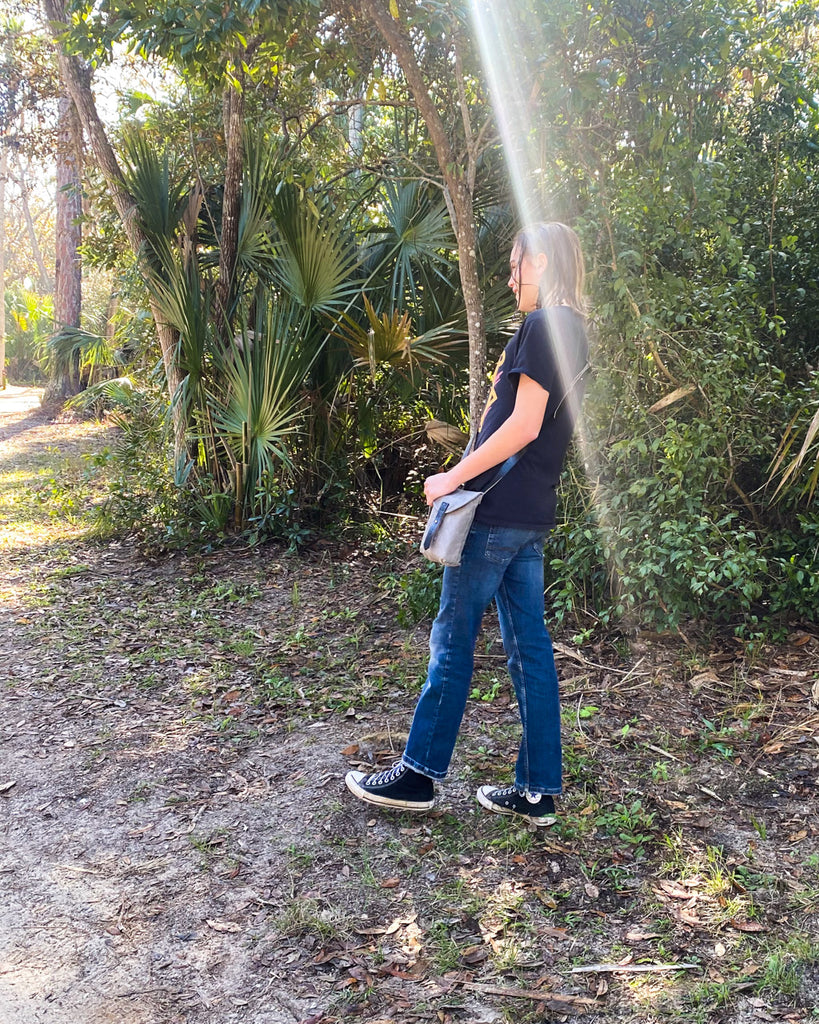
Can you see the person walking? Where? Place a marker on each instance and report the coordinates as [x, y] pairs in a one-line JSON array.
[[533, 403]]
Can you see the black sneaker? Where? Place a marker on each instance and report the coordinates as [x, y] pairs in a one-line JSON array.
[[535, 808], [398, 786]]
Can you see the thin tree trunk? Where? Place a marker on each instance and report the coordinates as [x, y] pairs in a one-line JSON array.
[[3, 174], [76, 79], [233, 118], [459, 188], [68, 231], [45, 283]]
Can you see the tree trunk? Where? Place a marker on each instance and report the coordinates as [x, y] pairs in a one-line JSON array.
[[458, 186], [45, 283], [233, 109], [77, 82], [3, 173], [68, 231]]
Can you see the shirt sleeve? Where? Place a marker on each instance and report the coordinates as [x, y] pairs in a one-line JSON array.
[[534, 355]]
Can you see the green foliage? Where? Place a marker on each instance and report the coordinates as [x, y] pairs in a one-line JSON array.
[[415, 592], [680, 141], [29, 321], [700, 231]]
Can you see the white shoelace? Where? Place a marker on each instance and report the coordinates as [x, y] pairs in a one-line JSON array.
[[533, 798], [387, 776]]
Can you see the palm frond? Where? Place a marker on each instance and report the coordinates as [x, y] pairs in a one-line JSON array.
[[389, 339], [254, 253], [256, 407], [413, 243], [315, 255], [72, 345], [159, 195], [805, 463]]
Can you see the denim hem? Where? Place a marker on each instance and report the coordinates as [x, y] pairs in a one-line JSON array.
[[422, 770], [538, 792]]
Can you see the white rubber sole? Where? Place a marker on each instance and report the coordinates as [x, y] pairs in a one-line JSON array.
[[484, 800], [352, 780]]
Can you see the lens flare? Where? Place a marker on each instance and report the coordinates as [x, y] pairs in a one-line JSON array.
[[497, 31]]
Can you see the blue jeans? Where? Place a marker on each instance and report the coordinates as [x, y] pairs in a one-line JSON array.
[[505, 564]]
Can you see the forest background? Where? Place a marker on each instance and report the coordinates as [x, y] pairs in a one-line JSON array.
[[281, 269]]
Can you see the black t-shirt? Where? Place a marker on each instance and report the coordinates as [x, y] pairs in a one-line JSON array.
[[551, 347]]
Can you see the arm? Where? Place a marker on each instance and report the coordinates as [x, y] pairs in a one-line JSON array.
[[522, 427]]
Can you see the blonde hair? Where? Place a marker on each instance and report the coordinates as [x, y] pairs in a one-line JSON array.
[[562, 281]]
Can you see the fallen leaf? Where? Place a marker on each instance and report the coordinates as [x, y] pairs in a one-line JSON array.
[[675, 890], [796, 837], [636, 935], [747, 926], [546, 899], [719, 949], [695, 682], [345, 983], [591, 891], [223, 926], [390, 883], [350, 751], [399, 922], [474, 955], [6, 786]]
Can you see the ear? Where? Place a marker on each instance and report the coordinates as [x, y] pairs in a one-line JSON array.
[[541, 261]]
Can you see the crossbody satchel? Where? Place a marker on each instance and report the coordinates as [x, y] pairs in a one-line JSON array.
[[451, 515]]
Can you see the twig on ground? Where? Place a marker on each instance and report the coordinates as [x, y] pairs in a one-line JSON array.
[[665, 753], [523, 993], [633, 968]]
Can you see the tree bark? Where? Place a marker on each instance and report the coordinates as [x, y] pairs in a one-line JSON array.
[[459, 187], [68, 231]]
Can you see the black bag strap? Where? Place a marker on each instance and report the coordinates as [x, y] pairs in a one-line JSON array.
[[578, 377], [504, 468]]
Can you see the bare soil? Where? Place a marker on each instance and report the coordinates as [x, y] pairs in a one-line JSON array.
[[177, 844]]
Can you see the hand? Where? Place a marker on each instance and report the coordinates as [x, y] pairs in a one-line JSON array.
[[437, 485]]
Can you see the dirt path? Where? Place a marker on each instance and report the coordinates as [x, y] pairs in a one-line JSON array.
[[136, 847], [174, 845], [177, 846]]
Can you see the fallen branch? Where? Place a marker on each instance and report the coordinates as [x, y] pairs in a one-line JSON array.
[[674, 396], [569, 653], [633, 968], [524, 993], [665, 753]]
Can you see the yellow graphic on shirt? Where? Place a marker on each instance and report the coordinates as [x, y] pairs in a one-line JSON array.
[[493, 394]]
